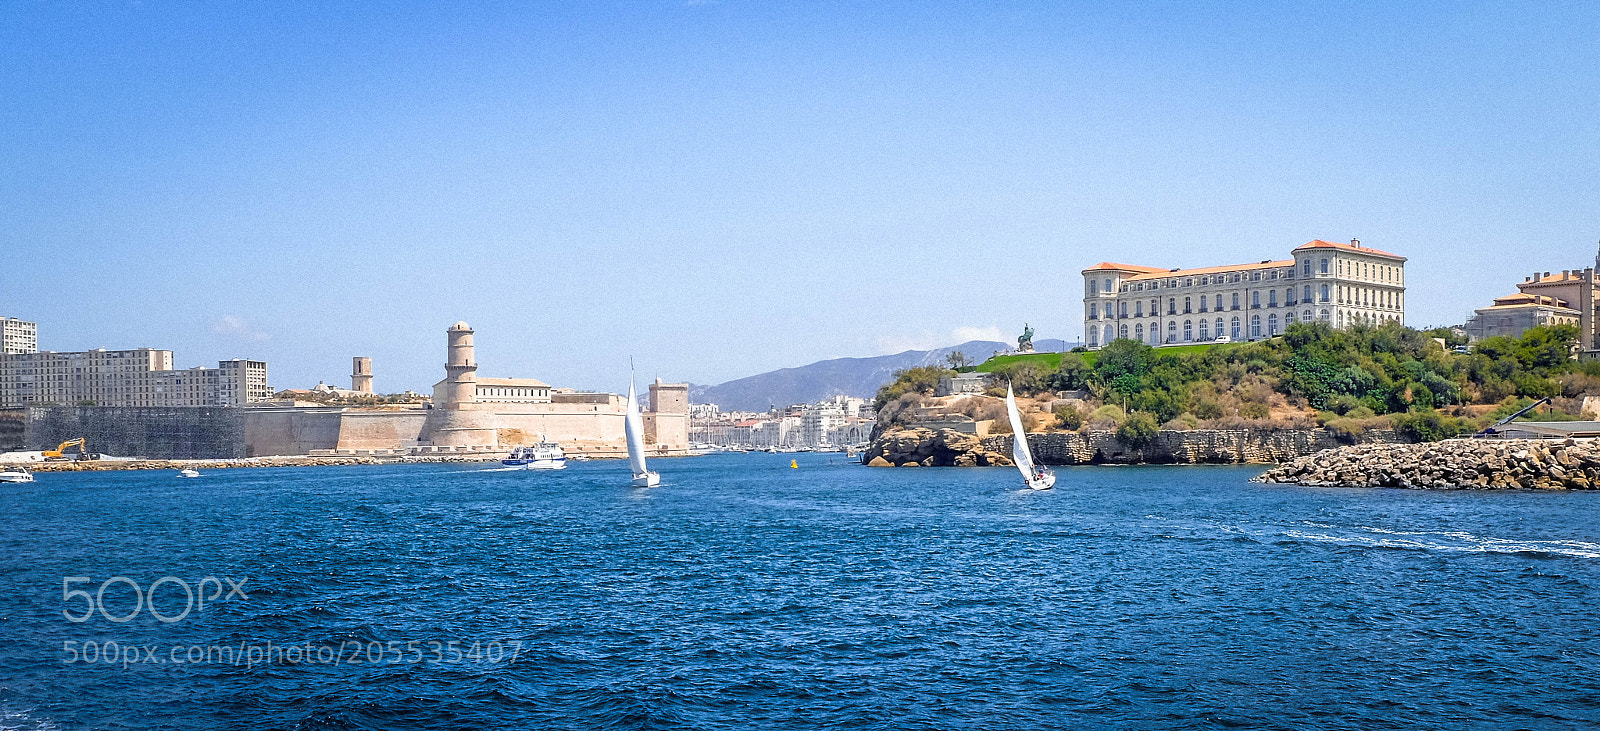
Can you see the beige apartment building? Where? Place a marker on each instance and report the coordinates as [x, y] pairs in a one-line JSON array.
[[1513, 315], [139, 377], [1579, 290], [1340, 284], [18, 337]]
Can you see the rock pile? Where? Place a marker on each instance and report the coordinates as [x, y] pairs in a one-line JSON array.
[[928, 448], [1451, 464]]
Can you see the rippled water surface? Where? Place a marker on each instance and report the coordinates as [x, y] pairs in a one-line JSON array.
[[744, 594]]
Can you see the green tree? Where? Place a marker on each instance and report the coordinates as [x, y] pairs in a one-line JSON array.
[[921, 379], [1138, 430]]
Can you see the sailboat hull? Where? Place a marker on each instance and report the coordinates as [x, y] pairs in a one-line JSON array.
[[648, 479], [1043, 482]]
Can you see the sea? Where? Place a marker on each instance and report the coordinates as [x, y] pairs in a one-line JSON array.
[[746, 593]]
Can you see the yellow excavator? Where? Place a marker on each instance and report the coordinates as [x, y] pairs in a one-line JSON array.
[[59, 453]]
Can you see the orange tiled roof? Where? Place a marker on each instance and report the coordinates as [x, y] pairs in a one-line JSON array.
[[1522, 298], [1561, 278], [1320, 244], [1112, 267], [1163, 274]]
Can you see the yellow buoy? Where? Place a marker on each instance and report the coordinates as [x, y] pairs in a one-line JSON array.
[[794, 465]]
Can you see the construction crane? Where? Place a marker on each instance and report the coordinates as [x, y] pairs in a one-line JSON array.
[[60, 451], [1495, 428]]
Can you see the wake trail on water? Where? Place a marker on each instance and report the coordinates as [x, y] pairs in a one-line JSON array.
[[1451, 541]]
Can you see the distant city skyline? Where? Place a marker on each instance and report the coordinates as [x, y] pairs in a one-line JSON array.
[[723, 189]]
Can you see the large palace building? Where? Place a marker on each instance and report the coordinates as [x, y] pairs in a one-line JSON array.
[[1340, 284]]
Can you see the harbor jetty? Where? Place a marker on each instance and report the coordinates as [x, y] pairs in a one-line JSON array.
[[1453, 464]]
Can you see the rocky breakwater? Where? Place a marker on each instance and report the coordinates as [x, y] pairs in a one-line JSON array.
[[1455, 464], [930, 448]]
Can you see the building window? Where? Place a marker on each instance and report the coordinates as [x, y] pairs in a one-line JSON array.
[[1219, 327], [1324, 266], [1122, 332], [1094, 287], [1255, 299], [1106, 334], [1094, 311], [1138, 309], [1237, 334], [1138, 332], [1172, 332], [1203, 303], [1255, 326], [1122, 309], [1155, 307], [1324, 294], [1272, 298], [1235, 300], [1205, 329], [1108, 286], [1186, 307], [1272, 325], [1188, 330], [1172, 305]]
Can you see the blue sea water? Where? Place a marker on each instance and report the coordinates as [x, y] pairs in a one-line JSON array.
[[742, 594]]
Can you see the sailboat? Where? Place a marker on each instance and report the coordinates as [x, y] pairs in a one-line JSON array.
[[1037, 477], [633, 425]]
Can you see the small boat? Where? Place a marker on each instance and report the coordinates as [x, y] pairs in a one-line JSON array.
[[546, 455], [1038, 477], [15, 474], [186, 472], [633, 426]]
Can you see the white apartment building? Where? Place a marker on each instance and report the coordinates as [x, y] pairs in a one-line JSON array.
[[140, 377], [18, 337], [1340, 284]]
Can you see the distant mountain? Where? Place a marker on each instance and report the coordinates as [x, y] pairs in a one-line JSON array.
[[859, 377]]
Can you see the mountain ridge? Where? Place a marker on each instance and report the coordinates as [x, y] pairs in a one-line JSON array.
[[859, 377]]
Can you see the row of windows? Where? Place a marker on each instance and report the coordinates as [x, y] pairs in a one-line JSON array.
[[1355, 269], [1203, 331]]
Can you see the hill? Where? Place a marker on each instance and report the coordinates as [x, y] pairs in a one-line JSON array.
[[858, 377]]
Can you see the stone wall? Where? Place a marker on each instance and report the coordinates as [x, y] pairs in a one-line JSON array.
[[124, 431], [13, 430], [1197, 446], [948, 447]]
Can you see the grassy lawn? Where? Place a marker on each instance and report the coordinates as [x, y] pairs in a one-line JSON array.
[[1047, 361]]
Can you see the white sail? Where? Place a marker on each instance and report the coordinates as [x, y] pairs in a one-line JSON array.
[[1019, 439], [633, 424]]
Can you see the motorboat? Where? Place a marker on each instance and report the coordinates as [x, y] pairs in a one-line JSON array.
[[1037, 477], [545, 455], [188, 473], [15, 474]]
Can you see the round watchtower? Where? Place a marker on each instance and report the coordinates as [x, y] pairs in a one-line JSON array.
[[461, 367]]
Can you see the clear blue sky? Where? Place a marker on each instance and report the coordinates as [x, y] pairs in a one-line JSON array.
[[723, 188]]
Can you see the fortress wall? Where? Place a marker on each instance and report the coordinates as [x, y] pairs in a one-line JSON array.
[[359, 429], [273, 432], [177, 432]]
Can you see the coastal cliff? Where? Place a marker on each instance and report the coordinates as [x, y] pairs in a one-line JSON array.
[[1503, 464], [947, 447]]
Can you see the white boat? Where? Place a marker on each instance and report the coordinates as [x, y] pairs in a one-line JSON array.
[[633, 425], [1038, 477], [15, 474], [188, 473], [545, 455]]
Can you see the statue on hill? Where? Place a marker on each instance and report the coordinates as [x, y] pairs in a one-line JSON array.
[[1025, 343]]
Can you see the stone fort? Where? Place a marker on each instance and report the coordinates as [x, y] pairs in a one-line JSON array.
[[472, 414]]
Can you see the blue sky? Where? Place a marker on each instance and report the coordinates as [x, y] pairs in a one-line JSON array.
[[722, 188]]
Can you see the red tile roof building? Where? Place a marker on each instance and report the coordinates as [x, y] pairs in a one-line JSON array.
[[1341, 284]]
